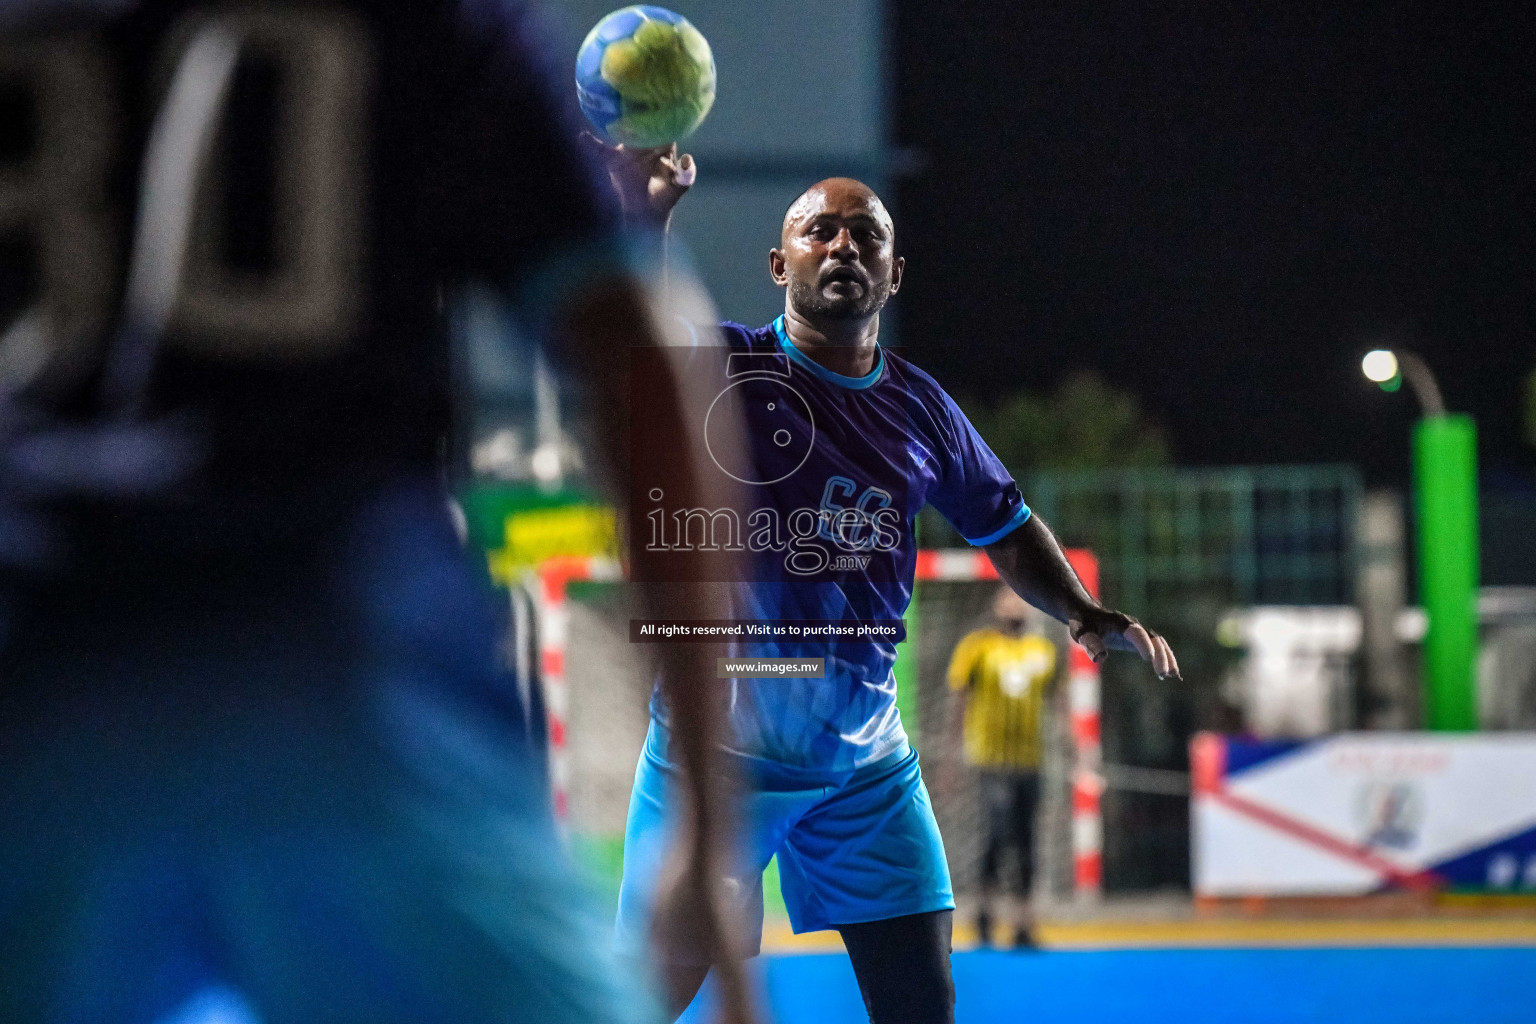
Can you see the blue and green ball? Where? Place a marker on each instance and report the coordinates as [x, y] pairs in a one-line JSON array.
[[645, 77]]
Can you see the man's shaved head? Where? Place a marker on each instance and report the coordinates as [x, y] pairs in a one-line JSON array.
[[831, 191], [837, 255]]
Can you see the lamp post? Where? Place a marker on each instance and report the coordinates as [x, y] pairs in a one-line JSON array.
[[1445, 500]]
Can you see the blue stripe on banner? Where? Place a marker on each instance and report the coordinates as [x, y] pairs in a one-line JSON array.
[[1245, 754], [1506, 865]]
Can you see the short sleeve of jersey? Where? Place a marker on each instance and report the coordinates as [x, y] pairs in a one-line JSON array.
[[974, 491], [510, 188]]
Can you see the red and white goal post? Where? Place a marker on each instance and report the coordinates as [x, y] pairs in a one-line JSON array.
[[1083, 701]]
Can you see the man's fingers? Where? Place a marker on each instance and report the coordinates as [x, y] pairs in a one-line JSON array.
[[681, 170], [685, 170], [1093, 645], [1154, 649], [1173, 663], [1141, 641]]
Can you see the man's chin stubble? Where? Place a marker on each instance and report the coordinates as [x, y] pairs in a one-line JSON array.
[[813, 303]]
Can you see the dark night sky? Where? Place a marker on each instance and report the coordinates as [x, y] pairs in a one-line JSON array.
[[1222, 209]]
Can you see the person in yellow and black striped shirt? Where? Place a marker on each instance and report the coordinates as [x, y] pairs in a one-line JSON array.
[[999, 677]]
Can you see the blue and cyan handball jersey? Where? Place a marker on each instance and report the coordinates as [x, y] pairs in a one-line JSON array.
[[864, 455]]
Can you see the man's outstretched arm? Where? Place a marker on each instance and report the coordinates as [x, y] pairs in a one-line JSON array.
[[1030, 560], [693, 916]]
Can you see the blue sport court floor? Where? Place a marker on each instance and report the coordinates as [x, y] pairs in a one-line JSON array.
[[1473, 970], [1190, 986]]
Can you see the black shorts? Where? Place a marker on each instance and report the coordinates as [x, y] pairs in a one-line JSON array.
[[1008, 801]]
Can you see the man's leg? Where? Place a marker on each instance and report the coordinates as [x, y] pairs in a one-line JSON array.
[[1025, 800], [648, 836], [869, 853], [902, 964], [996, 799], [987, 888], [682, 984]]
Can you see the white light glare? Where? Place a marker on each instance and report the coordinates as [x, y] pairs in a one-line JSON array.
[[546, 463], [1379, 365]]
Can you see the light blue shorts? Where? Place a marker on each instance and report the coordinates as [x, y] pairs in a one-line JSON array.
[[852, 846]]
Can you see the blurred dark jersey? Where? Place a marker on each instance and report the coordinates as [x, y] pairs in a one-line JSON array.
[[251, 216]]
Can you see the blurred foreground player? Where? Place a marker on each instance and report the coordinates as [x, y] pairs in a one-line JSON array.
[[833, 787], [254, 740], [998, 678]]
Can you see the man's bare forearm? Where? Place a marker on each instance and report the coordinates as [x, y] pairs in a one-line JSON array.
[[1031, 561], [611, 319]]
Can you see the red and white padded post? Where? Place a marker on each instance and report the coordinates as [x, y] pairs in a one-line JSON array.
[[1083, 696], [554, 628], [554, 624], [1083, 689]]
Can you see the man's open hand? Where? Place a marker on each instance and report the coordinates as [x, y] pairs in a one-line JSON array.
[[649, 182], [1101, 629]]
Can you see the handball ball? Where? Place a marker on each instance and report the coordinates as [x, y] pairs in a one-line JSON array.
[[645, 77]]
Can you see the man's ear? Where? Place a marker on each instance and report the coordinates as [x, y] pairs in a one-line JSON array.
[[897, 267], [776, 268]]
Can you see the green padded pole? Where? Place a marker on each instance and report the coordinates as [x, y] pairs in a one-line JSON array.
[[906, 670], [1445, 492]]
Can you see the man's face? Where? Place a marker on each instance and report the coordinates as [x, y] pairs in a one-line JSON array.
[[838, 256]]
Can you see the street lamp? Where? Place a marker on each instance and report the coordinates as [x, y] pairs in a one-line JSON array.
[[1389, 369], [1445, 499]]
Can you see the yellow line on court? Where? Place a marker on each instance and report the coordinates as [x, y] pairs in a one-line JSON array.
[[1400, 932]]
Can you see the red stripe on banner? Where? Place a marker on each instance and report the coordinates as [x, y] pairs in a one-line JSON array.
[[562, 804], [927, 564], [556, 732], [985, 570], [552, 661], [1418, 880]]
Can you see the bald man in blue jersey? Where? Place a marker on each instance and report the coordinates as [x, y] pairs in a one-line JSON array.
[[833, 787]]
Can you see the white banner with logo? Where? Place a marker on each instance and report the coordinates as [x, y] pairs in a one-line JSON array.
[[1357, 813]]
